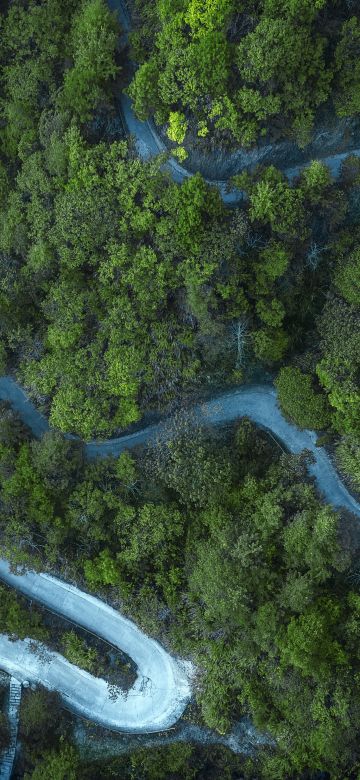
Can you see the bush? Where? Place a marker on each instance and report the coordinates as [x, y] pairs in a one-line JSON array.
[[348, 456], [299, 400]]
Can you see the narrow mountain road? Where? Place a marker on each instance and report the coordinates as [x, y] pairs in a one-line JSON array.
[[258, 402], [160, 692], [163, 685], [149, 143]]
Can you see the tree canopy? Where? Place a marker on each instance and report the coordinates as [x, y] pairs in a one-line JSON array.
[[234, 71]]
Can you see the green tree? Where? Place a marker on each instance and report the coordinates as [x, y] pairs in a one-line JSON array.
[[40, 718], [299, 400], [347, 277], [348, 458], [61, 765], [275, 202], [93, 42], [339, 365], [347, 65], [77, 651]]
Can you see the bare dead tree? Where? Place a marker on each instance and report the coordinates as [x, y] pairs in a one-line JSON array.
[[239, 337], [313, 255]]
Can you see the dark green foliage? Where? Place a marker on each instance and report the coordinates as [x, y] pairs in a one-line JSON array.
[[32, 53], [347, 277], [39, 42], [178, 761], [299, 400], [16, 619], [338, 370], [348, 458], [92, 47], [122, 291], [348, 69], [4, 731], [39, 717], [272, 64], [226, 538]]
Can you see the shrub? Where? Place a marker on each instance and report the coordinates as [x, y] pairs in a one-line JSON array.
[[299, 400]]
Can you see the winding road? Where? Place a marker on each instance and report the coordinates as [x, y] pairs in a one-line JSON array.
[[258, 402], [161, 689], [163, 685], [149, 143]]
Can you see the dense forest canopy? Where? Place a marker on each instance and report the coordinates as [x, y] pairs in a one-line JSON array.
[[123, 293], [217, 542], [235, 69]]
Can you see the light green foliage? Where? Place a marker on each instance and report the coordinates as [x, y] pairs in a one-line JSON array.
[[102, 570], [314, 181], [62, 765], [196, 59], [274, 261], [272, 314], [307, 646], [107, 251], [274, 201], [299, 400], [144, 91], [77, 651], [279, 205], [177, 126], [125, 246], [138, 284]]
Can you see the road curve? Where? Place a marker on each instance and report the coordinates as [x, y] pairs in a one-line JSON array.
[[161, 690], [149, 143], [258, 402]]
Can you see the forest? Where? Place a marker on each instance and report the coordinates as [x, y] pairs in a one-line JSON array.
[[237, 71], [270, 610], [124, 296]]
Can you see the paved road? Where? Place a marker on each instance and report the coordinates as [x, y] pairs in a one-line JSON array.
[[160, 692], [162, 687], [257, 402], [149, 144]]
